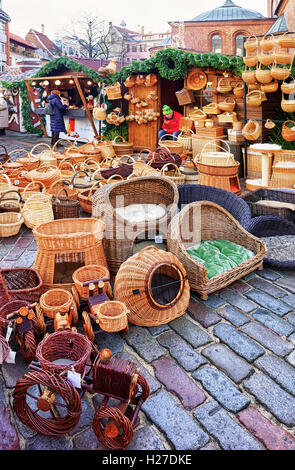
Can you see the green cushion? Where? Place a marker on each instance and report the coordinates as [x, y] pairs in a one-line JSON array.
[[218, 256]]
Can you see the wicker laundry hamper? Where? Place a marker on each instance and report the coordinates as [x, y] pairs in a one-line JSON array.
[[204, 220], [121, 234], [154, 287]]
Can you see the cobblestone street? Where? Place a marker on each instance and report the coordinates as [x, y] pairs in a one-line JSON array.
[[222, 377]]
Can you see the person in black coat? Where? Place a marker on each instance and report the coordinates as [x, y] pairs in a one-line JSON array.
[[57, 123]]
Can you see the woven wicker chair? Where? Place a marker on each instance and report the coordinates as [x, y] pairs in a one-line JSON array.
[[233, 204], [272, 226], [203, 220], [120, 234]]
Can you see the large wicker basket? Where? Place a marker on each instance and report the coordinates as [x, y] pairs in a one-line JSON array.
[[154, 287], [204, 220], [120, 234]]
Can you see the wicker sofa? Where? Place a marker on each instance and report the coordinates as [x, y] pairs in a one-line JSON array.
[[120, 233], [235, 205], [204, 220]]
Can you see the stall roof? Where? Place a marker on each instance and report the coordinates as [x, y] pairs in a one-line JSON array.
[[16, 77]]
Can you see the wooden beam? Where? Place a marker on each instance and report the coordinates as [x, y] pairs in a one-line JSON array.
[[89, 115], [32, 98]]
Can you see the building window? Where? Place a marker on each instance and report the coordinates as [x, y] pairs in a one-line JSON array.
[[2, 27], [134, 48], [239, 44], [216, 44]]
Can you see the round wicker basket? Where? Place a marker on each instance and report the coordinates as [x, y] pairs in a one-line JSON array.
[[10, 224], [89, 273], [112, 316], [54, 301], [153, 286]]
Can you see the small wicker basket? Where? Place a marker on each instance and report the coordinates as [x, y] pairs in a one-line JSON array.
[[54, 301], [112, 316], [175, 175], [267, 43], [251, 44], [92, 272], [251, 130], [10, 223], [224, 85], [288, 88], [173, 145]]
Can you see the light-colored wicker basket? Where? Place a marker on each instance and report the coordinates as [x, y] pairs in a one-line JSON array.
[[204, 220], [271, 87], [54, 301], [250, 60], [263, 76], [34, 187], [287, 41], [249, 76], [123, 147], [255, 98], [45, 174], [134, 286], [266, 59], [251, 44], [288, 88], [88, 273], [221, 157], [251, 130], [267, 43], [185, 138], [114, 91], [224, 85], [288, 105], [173, 145], [211, 108], [37, 210], [105, 146], [227, 105], [10, 223], [175, 175], [112, 316], [280, 73], [238, 90], [45, 156]]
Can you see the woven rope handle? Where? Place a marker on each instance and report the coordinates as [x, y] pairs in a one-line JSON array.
[[17, 150], [120, 137], [170, 164], [42, 144], [217, 145], [32, 183], [60, 191], [61, 140]]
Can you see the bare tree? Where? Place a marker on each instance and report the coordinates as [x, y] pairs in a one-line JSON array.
[[91, 34]]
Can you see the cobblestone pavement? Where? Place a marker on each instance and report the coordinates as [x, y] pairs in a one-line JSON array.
[[222, 376]]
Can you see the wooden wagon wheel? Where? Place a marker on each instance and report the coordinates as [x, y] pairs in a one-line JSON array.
[[141, 393], [38, 321], [54, 397], [75, 314], [117, 433], [27, 344], [88, 327]]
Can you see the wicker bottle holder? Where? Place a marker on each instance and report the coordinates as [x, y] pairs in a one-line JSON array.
[[64, 345], [54, 301], [251, 130], [91, 273], [288, 133], [112, 316], [140, 281], [10, 224]]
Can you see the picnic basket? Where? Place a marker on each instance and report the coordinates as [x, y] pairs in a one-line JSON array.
[[65, 207]]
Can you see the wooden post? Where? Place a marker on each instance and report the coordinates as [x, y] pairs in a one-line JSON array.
[[32, 98], [89, 115]]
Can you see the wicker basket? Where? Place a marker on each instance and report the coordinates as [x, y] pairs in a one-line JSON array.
[[288, 133], [54, 301], [250, 60], [251, 130], [45, 156], [288, 88], [269, 124], [122, 148], [45, 174], [130, 81], [198, 115], [271, 87], [6, 185], [145, 280], [266, 59], [238, 90], [228, 105], [221, 157], [249, 76], [287, 41], [81, 183], [105, 146], [112, 316], [174, 174], [288, 105], [283, 177], [22, 284], [10, 223], [185, 138], [4, 155], [204, 220], [251, 44], [89, 273], [211, 108], [263, 76], [283, 57], [11, 204], [254, 98], [120, 234], [37, 210], [280, 73], [34, 187], [267, 43], [62, 184], [173, 145], [85, 197], [114, 91], [224, 86], [64, 345], [65, 207]]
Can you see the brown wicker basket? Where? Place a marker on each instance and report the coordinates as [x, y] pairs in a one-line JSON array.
[[249, 76], [173, 174], [287, 41], [288, 133], [22, 284], [54, 301], [227, 105], [204, 220], [4, 349], [112, 316], [122, 148], [263, 76], [89, 273], [9, 203], [271, 87], [153, 286], [173, 145], [114, 91], [65, 207], [73, 347]]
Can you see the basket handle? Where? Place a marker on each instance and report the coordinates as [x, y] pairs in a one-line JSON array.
[[17, 150], [217, 145], [41, 144], [128, 157], [160, 140], [6, 177], [77, 172], [120, 136], [252, 36], [2, 198], [61, 180], [67, 162], [114, 176], [230, 98], [101, 138], [60, 191], [79, 139], [170, 164], [61, 140], [183, 132], [284, 123], [90, 160], [98, 182], [34, 183], [44, 201]]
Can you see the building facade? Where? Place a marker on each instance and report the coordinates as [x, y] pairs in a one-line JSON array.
[[220, 30], [4, 39], [284, 10], [46, 49], [22, 53]]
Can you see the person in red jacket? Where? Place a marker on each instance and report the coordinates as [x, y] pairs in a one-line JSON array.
[[171, 122]]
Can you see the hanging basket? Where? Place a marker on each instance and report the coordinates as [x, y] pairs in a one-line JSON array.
[[196, 79], [287, 41], [288, 88], [153, 286], [283, 57], [266, 59], [224, 86], [114, 91], [92, 273], [252, 130], [251, 44], [227, 105], [288, 132], [280, 73], [99, 113], [288, 105], [112, 316], [238, 90], [271, 87], [267, 43], [249, 76], [255, 98], [185, 96], [269, 124], [251, 61], [130, 81], [263, 76], [65, 207], [10, 224]]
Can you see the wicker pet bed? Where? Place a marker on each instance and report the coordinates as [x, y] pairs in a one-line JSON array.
[[204, 220], [253, 197], [120, 234]]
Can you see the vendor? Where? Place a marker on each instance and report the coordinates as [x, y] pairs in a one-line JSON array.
[[170, 123]]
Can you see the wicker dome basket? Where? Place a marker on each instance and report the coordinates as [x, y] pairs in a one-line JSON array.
[[73, 347], [204, 220], [153, 286]]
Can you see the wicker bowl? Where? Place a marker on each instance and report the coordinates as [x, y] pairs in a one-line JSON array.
[[56, 300], [73, 347], [88, 273], [10, 223], [112, 316]]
